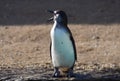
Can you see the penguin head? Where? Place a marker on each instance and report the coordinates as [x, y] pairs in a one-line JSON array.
[[59, 16]]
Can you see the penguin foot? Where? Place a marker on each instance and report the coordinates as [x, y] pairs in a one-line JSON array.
[[70, 74], [56, 73]]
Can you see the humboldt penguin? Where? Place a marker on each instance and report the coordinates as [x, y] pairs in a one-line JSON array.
[[62, 46]]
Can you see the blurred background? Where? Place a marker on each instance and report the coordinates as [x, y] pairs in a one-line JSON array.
[[24, 12]]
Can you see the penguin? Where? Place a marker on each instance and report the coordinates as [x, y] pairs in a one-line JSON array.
[[62, 46]]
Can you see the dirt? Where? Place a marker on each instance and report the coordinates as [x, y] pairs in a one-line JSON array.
[[24, 52]]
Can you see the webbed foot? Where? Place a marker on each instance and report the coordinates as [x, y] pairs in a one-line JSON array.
[[56, 72], [70, 73]]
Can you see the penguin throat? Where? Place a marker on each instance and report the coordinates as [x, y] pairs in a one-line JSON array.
[[64, 23]]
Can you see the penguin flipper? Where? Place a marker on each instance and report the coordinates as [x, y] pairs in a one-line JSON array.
[[73, 42], [74, 47], [50, 50]]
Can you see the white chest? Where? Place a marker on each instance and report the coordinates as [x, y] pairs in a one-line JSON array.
[[62, 48]]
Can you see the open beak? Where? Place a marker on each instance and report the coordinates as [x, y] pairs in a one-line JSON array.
[[50, 11], [50, 19]]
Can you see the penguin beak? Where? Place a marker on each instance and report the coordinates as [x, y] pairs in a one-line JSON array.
[[50, 19], [50, 11]]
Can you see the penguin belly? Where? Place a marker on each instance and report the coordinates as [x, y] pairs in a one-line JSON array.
[[62, 49]]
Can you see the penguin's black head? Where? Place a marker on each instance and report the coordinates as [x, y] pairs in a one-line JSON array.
[[59, 16]]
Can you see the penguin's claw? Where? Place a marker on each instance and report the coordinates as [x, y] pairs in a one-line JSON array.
[[70, 74], [56, 74]]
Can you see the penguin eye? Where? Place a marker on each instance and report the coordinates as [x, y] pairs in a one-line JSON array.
[[56, 13]]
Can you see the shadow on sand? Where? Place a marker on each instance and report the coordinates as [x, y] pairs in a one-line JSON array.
[[103, 75], [80, 77], [45, 73]]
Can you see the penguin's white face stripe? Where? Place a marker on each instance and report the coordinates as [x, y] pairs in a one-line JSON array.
[[55, 12]]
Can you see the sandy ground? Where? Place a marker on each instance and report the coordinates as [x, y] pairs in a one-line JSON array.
[[24, 52], [24, 39]]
